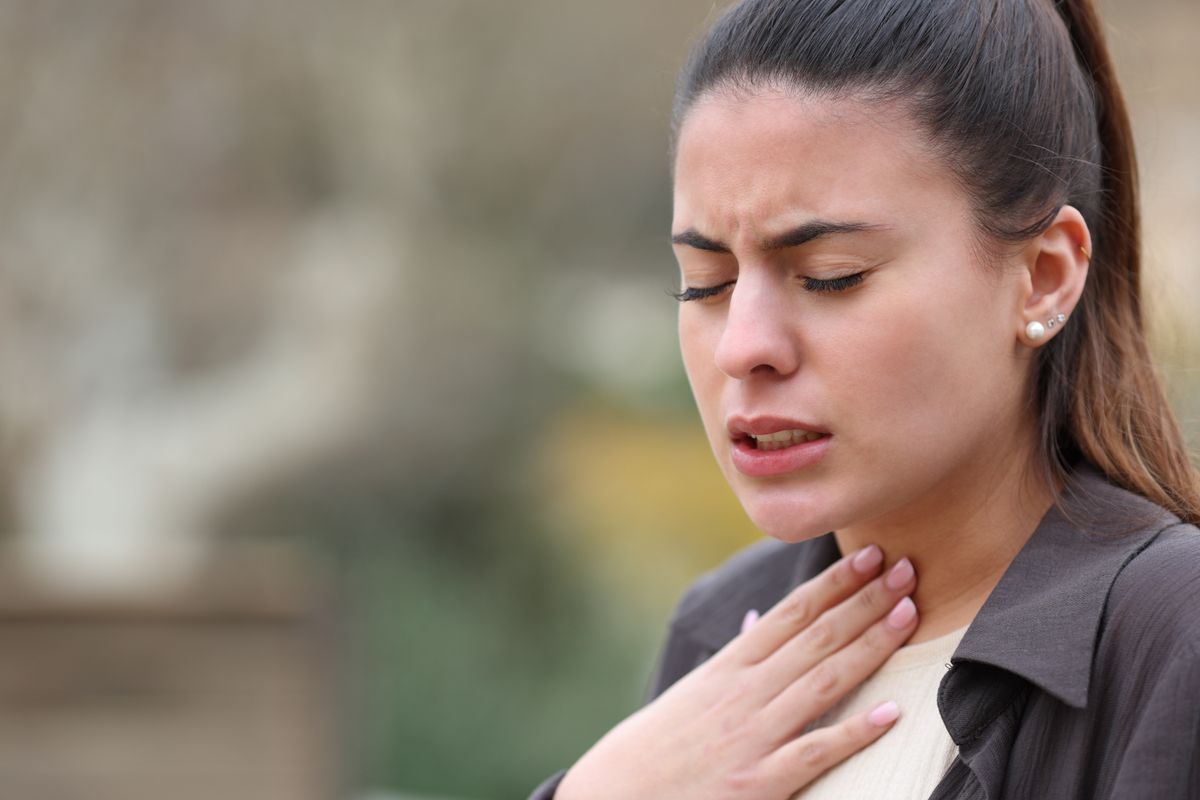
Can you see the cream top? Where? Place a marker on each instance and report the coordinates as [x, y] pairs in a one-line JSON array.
[[908, 761]]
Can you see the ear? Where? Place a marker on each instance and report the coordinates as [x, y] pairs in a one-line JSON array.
[[1057, 264]]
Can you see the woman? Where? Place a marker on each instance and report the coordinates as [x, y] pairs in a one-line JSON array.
[[908, 238]]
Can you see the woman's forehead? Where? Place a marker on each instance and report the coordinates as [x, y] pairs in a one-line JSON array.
[[772, 159]]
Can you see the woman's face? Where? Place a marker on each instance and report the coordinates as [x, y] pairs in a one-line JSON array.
[[852, 303]]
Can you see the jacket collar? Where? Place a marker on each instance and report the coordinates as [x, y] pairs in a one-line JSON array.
[[1042, 621]]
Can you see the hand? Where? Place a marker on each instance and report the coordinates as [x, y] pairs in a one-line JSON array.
[[733, 727]]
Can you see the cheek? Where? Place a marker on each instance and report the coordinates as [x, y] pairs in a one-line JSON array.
[[923, 371], [697, 344]]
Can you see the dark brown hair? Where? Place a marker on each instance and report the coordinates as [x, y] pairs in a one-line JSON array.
[[1021, 98]]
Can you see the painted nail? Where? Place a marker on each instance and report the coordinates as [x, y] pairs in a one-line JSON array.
[[900, 575], [750, 618], [867, 560], [884, 714], [903, 614]]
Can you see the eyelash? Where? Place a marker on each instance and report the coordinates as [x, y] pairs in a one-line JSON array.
[[700, 292], [815, 285], [834, 284]]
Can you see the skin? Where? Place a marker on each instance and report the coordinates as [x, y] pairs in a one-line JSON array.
[[920, 372]]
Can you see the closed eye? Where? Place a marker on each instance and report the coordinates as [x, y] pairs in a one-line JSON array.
[[810, 285], [701, 292], [833, 284]]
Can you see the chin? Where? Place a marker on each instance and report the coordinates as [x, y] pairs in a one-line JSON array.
[[791, 534], [789, 519]]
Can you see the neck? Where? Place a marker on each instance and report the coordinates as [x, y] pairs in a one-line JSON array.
[[959, 538]]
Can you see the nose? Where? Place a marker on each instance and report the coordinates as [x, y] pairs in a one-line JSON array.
[[759, 334]]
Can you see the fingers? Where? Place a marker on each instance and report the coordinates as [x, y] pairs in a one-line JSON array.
[[816, 692], [837, 626], [805, 603], [806, 758]]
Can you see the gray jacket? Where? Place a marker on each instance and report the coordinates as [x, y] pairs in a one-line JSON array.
[[1079, 678]]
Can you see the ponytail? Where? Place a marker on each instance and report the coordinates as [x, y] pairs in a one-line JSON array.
[[1101, 396]]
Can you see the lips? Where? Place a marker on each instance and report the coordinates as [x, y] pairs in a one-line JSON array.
[[765, 446], [740, 427]]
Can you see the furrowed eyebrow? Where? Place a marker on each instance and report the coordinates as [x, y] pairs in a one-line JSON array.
[[795, 237], [691, 238]]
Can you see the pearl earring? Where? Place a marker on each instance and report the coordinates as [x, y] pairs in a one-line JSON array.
[[1036, 330]]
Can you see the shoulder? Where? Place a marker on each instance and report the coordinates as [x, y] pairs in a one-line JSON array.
[[1152, 607], [1147, 677], [1146, 559]]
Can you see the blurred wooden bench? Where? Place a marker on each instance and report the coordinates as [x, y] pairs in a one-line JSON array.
[[228, 689]]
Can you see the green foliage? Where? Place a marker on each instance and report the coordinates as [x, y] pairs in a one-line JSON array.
[[482, 658]]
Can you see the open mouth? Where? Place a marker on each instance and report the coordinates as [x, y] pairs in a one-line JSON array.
[[781, 439]]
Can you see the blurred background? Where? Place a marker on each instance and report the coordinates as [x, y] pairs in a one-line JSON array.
[[345, 451]]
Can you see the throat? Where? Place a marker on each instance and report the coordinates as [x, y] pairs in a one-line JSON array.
[[960, 547]]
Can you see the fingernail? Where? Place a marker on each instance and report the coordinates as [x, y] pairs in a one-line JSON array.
[[867, 560], [900, 574], [884, 714], [750, 618], [903, 614]]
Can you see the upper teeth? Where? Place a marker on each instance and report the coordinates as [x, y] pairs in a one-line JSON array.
[[787, 436]]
